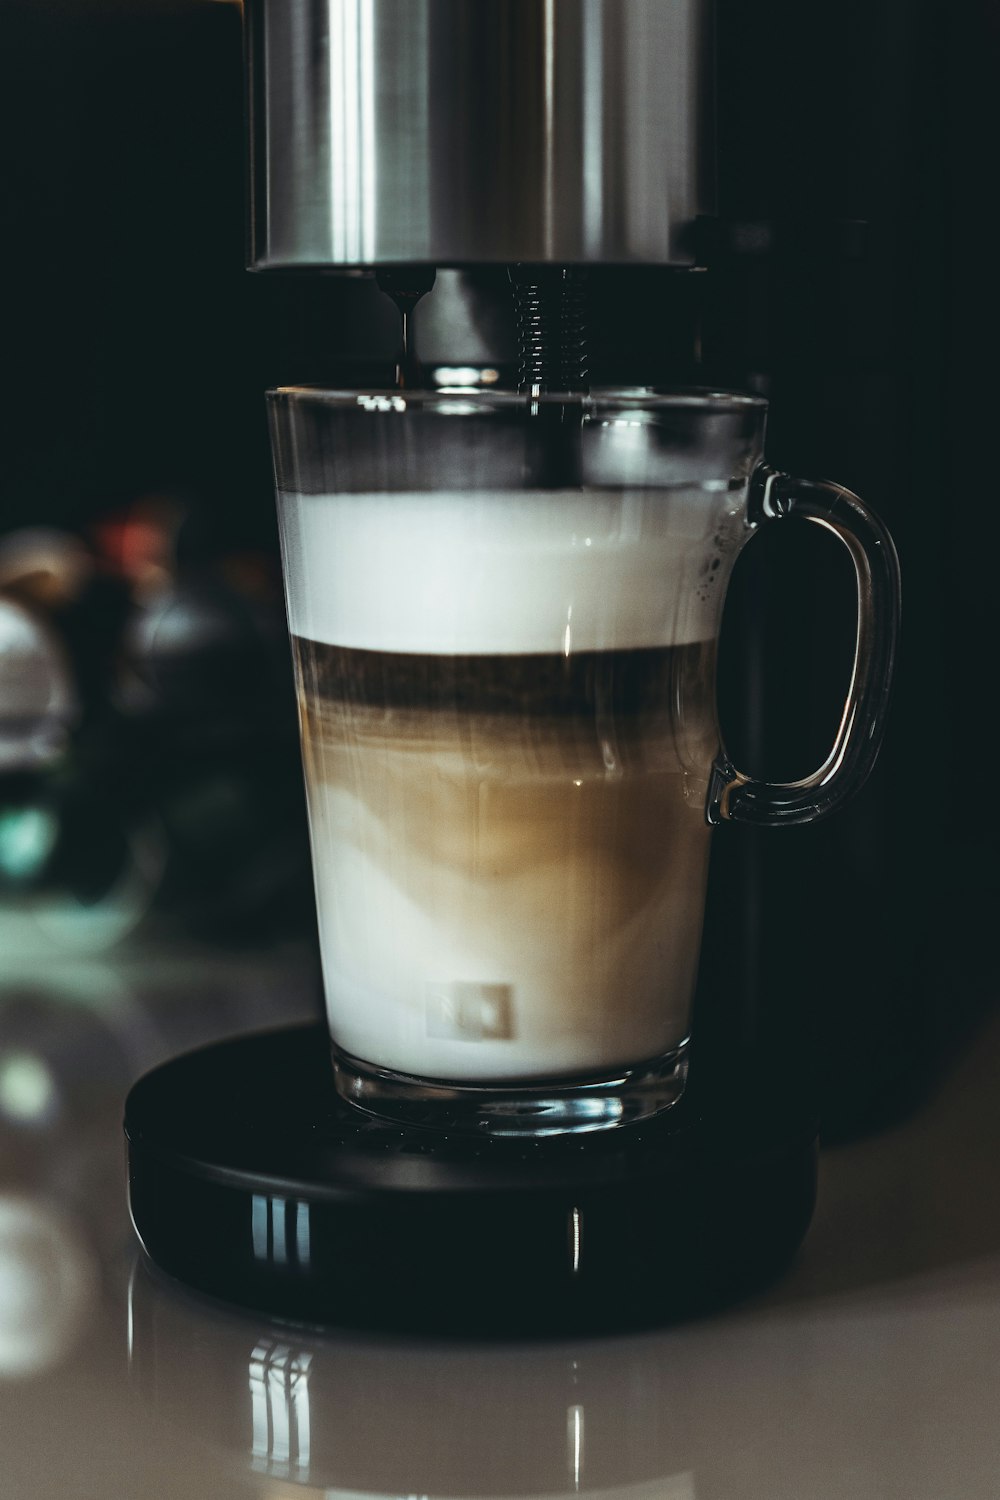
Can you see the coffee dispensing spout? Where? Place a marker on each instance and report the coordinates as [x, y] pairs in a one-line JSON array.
[[405, 285], [550, 304]]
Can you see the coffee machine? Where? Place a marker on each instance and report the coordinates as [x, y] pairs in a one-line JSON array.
[[552, 163]]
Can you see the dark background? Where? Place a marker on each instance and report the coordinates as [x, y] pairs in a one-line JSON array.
[[135, 350]]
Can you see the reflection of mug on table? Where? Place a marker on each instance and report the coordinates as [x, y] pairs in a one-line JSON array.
[[504, 624]]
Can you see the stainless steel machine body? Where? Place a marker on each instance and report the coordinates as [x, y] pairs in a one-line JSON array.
[[463, 132]]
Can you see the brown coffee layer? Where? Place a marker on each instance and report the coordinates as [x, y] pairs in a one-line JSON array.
[[510, 854]]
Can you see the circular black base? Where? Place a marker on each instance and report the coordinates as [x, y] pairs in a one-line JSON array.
[[251, 1180]]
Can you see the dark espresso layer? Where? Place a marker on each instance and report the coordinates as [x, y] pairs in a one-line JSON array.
[[647, 681]]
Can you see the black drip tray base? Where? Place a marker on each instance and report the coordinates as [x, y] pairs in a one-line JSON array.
[[250, 1180]]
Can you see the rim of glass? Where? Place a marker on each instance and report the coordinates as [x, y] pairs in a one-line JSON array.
[[473, 399]]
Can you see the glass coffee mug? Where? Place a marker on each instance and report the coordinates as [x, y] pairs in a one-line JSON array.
[[504, 614]]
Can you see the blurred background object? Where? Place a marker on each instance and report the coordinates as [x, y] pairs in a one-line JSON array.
[[47, 1286], [36, 695], [147, 747]]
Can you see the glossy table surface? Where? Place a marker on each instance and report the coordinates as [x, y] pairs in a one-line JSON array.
[[871, 1370]]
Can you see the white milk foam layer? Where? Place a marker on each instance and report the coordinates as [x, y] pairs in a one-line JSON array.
[[488, 573]]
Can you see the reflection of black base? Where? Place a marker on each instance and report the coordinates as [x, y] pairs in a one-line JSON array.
[[350, 1415], [250, 1180]]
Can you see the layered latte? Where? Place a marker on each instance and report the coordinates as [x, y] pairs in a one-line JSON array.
[[508, 723]]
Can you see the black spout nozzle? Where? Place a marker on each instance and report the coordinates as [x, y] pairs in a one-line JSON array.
[[406, 285]]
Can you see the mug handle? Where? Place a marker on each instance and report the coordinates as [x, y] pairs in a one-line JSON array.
[[734, 797]]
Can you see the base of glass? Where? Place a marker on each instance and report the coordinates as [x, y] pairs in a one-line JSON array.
[[561, 1107]]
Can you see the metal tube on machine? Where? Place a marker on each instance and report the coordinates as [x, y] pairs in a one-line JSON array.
[[455, 133]]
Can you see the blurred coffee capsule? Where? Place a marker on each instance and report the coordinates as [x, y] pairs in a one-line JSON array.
[[43, 567], [37, 702], [194, 649]]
